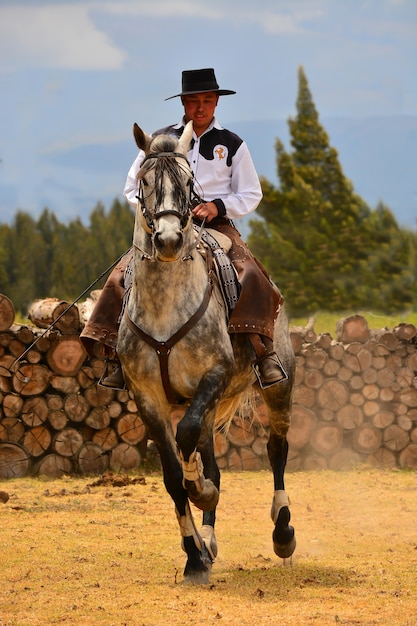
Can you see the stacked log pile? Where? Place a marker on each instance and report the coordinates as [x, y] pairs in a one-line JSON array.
[[54, 417], [355, 400]]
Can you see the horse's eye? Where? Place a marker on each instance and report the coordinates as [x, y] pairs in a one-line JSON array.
[[145, 182]]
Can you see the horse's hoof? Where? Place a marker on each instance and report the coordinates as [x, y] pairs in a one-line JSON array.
[[284, 549], [200, 576], [207, 498], [283, 536]]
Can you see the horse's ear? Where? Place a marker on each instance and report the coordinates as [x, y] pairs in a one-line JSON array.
[[185, 139], [142, 139]]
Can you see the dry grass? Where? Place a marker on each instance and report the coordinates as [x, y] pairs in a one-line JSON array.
[[106, 555], [325, 322]]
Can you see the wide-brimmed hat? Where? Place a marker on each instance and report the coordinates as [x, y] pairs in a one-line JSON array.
[[200, 81]]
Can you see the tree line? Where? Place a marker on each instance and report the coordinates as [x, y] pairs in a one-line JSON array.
[[44, 258], [320, 242]]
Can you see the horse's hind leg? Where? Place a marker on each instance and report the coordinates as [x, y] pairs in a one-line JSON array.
[[283, 536]]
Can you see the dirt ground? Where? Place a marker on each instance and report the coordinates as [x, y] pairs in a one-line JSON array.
[[81, 552]]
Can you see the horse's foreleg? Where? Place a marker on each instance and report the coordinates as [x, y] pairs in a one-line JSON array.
[[201, 490], [212, 472], [195, 443], [198, 566], [207, 495], [283, 536], [199, 559]]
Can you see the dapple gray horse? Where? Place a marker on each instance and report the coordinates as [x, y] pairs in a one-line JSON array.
[[175, 348]]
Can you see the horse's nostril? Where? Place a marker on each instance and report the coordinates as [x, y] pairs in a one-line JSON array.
[[168, 243]]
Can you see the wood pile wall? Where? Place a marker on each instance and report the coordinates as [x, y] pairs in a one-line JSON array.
[[355, 401], [355, 398]]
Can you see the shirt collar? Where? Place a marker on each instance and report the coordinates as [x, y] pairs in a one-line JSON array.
[[214, 124]]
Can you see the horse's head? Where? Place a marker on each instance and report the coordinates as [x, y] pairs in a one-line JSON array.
[[165, 187]]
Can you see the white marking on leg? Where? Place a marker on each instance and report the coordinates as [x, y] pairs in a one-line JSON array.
[[280, 500], [193, 470], [209, 538], [188, 527]]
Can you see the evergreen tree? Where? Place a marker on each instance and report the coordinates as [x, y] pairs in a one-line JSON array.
[[318, 237], [387, 277], [121, 221], [5, 235], [112, 233], [48, 228], [26, 261], [49, 259]]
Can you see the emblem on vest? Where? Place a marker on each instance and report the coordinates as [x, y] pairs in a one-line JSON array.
[[220, 153]]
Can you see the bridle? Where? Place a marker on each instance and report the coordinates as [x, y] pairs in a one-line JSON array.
[[152, 215], [149, 217]]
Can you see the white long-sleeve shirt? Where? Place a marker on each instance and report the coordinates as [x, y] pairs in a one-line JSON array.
[[223, 169]]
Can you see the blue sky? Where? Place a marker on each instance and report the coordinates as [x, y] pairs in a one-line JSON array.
[[75, 75]]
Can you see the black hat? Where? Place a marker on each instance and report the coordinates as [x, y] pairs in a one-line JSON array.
[[199, 81]]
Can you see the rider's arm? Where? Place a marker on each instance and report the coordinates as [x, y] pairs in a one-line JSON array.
[[231, 182], [131, 185], [245, 188]]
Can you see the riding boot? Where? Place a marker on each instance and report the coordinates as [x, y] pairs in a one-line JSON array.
[[267, 366], [115, 379]]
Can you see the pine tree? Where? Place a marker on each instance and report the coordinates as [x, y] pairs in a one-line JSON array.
[[26, 261], [318, 237], [48, 228]]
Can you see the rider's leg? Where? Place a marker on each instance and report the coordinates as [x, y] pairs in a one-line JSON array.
[[104, 323], [115, 380], [268, 367]]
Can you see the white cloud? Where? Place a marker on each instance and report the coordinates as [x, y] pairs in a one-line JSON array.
[[276, 23], [54, 36], [282, 23], [274, 16], [64, 35], [164, 8]]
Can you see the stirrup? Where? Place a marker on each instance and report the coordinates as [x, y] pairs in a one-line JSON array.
[[106, 374], [262, 383]]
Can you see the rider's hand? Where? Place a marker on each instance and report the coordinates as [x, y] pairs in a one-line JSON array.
[[206, 210]]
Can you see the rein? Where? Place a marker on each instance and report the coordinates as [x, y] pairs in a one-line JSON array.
[[163, 348]]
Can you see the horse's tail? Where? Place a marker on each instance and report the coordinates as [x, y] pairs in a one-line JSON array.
[[241, 406]]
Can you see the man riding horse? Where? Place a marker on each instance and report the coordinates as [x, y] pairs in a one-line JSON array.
[[228, 188]]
